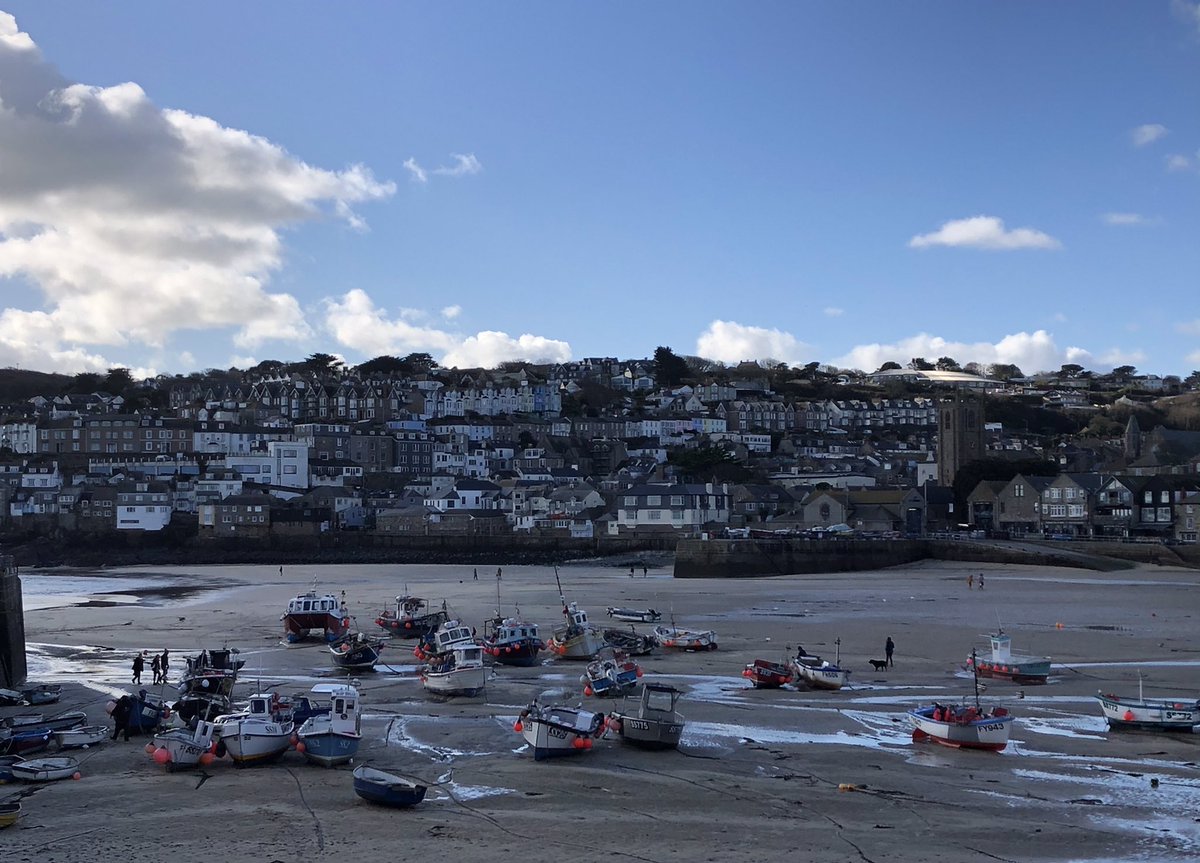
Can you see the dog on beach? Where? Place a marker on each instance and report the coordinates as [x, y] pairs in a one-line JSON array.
[[878, 664]]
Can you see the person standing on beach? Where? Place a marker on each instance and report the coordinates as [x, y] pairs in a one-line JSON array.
[[498, 574], [156, 667], [138, 665], [970, 581], [643, 570], [164, 665], [475, 574], [981, 581], [888, 649]]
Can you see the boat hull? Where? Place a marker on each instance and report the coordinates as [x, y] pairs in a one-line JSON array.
[[522, 653], [82, 737], [464, 682], [184, 747], [360, 658], [1149, 714], [45, 769], [822, 676], [410, 627], [329, 748], [988, 733], [253, 742], [385, 789], [1018, 670], [561, 731], [581, 646], [648, 733], [685, 639], [763, 674]]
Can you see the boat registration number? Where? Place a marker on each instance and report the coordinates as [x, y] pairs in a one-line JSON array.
[[556, 732], [995, 726], [639, 724]]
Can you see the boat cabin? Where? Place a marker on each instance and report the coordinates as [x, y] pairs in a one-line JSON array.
[[510, 629], [408, 606], [310, 603], [1001, 647], [658, 698], [345, 715], [575, 615], [451, 635]]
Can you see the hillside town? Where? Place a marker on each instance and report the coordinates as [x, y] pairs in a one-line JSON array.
[[601, 447]]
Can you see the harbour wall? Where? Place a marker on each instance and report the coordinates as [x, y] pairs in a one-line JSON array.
[[12, 626], [733, 558]]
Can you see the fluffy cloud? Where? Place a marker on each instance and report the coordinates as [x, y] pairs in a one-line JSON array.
[[464, 165], [731, 342], [1147, 133], [133, 222], [984, 232], [1188, 12], [1033, 352], [1123, 219], [1177, 162], [834, 312], [451, 312], [358, 324]]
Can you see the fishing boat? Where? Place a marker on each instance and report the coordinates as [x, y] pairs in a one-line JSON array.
[[1149, 714], [258, 734], [820, 673], [12, 698], [386, 789], [630, 641], [556, 730], [182, 748], [650, 722], [455, 665], [1004, 664], [610, 674], [23, 742], [356, 652], [634, 615], [9, 813], [48, 693], [23, 722], [206, 686], [311, 612], [410, 619], [575, 638], [45, 769], [81, 737], [962, 726], [676, 638], [332, 738], [764, 674], [511, 640], [144, 712]]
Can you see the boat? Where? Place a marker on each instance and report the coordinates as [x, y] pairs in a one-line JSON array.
[[45, 769], [676, 638], [820, 673], [81, 737], [630, 641], [610, 674], [48, 693], [1149, 714], [650, 722], [455, 665], [634, 615], [260, 733], [557, 730], [332, 738], [386, 789], [356, 652], [12, 698], [1004, 664], [145, 713], [409, 619], [206, 686], [9, 813], [182, 748], [764, 674], [23, 742], [575, 638], [962, 726], [6, 763], [511, 640], [309, 612], [22, 722]]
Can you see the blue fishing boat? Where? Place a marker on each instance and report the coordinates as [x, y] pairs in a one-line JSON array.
[[1006, 665], [332, 738], [387, 789], [145, 714], [610, 674]]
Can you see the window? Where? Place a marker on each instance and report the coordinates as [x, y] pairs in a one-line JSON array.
[[1019, 491]]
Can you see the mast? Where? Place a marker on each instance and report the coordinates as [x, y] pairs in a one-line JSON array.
[[837, 656], [975, 677], [497, 596]]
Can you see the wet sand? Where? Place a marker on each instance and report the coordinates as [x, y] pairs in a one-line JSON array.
[[757, 777]]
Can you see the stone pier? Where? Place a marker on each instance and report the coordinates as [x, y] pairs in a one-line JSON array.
[[12, 626]]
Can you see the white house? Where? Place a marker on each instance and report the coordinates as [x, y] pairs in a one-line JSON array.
[[143, 506]]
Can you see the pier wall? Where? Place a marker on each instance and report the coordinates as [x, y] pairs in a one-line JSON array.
[[12, 626]]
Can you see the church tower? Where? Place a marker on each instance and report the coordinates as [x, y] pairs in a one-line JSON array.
[[960, 434], [1133, 438]]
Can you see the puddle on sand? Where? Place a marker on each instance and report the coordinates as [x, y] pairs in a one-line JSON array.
[[402, 732]]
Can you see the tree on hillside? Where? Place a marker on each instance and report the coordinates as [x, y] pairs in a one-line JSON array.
[[86, 382], [418, 364], [669, 367], [890, 365], [381, 365], [948, 364], [117, 381], [1124, 373], [1005, 371], [708, 463], [920, 364], [1070, 370], [1193, 380], [320, 363]]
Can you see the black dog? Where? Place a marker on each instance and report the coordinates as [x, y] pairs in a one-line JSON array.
[[878, 664]]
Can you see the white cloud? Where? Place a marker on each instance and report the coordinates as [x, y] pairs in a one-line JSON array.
[[463, 165], [834, 312], [1036, 351], [1178, 162], [1188, 12], [984, 232], [731, 342], [1192, 328], [451, 312], [358, 324], [419, 174], [1123, 219], [133, 222], [1060, 317], [1147, 133]]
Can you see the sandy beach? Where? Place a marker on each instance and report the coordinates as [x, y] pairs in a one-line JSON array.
[[758, 774]]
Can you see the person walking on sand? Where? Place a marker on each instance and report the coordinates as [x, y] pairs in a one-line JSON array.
[[981, 581], [970, 581], [138, 665], [888, 649], [643, 570], [474, 575], [156, 667], [498, 574], [164, 664]]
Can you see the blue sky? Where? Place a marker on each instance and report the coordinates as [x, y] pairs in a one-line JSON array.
[[842, 182]]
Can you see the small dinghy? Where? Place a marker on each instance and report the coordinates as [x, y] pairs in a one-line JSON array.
[[9, 813], [386, 789], [630, 641], [23, 742], [635, 615], [676, 638], [6, 763], [765, 674], [81, 737], [46, 694], [45, 769]]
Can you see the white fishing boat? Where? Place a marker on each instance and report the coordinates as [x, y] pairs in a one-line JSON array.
[[81, 737], [332, 738], [457, 668], [260, 733], [677, 638], [819, 673], [575, 638], [182, 748], [45, 769], [962, 726], [634, 615], [1175, 713], [557, 730]]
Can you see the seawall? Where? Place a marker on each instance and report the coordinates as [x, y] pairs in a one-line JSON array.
[[12, 626]]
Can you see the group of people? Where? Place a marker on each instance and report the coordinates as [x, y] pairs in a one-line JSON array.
[[160, 665], [971, 581]]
